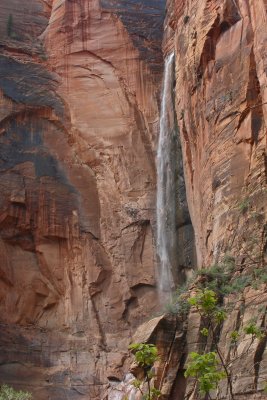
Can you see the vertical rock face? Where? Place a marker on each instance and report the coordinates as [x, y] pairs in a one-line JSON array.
[[220, 100], [221, 107], [79, 85]]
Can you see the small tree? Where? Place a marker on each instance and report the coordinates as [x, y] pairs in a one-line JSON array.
[[205, 368], [145, 356], [211, 367]]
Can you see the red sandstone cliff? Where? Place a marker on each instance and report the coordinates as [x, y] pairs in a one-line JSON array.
[[221, 106], [79, 87]]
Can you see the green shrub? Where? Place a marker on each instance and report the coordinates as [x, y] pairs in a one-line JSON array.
[[252, 329], [204, 367], [244, 205], [179, 303], [216, 277], [219, 315], [8, 393], [234, 336], [205, 301], [145, 356], [237, 285], [214, 272], [263, 277], [204, 332], [228, 262]]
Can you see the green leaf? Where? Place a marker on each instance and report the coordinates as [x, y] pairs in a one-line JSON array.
[[137, 383], [234, 336], [204, 367], [252, 329], [192, 301], [204, 332], [219, 315], [145, 354], [155, 393], [205, 300]]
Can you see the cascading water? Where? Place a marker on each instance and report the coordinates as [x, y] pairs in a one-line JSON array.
[[166, 176]]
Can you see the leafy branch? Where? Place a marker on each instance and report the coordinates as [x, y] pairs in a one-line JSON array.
[[211, 367], [145, 356]]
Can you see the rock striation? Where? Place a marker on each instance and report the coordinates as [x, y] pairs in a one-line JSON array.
[[79, 118], [221, 108], [79, 91]]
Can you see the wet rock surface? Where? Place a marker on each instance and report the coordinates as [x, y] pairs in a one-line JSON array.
[[220, 49]]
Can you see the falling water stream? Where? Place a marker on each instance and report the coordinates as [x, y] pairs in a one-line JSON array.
[[166, 221], [166, 206]]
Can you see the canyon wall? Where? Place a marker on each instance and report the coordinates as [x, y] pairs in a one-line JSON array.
[[79, 118], [221, 105], [79, 95]]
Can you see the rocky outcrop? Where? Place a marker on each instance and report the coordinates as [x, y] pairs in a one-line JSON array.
[[175, 336], [79, 85], [168, 333]]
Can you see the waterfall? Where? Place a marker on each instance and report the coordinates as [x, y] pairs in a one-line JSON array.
[[166, 176]]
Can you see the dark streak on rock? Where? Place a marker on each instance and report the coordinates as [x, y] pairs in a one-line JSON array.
[[29, 84], [144, 21]]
